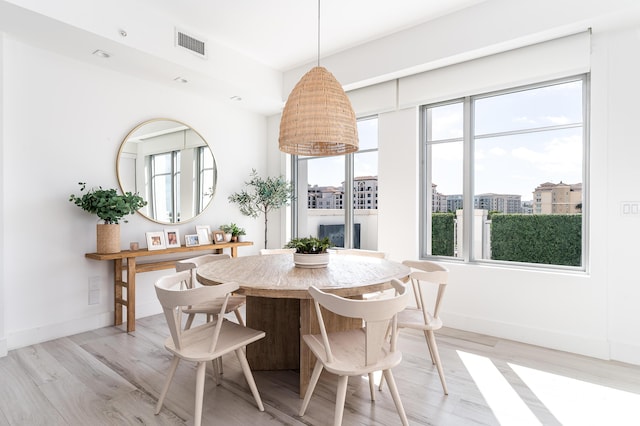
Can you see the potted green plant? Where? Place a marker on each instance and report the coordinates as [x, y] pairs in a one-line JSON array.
[[311, 252], [111, 208], [239, 234], [262, 196], [233, 230]]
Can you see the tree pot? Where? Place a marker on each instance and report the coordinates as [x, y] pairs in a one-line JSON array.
[[108, 238]]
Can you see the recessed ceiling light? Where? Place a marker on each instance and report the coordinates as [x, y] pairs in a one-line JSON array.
[[181, 80], [101, 53]]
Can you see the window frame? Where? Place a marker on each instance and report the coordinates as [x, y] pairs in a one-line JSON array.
[[468, 141], [348, 202]]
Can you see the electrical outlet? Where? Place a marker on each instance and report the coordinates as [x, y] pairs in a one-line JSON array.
[[94, 290], [630, 208]]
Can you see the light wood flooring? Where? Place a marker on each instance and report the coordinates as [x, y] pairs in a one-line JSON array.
[[109, 377]]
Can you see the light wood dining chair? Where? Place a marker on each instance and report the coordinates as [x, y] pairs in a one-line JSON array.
[[429, 281], [206, 342], [210, 307], [359, 351], [277, 251]]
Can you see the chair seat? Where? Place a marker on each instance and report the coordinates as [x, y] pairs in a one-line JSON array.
[[197, 341], [413, 318], [213, 306], [348, 349]]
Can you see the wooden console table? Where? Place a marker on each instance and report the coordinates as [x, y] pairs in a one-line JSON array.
[[132, 268]]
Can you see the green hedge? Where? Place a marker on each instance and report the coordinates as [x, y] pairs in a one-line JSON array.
[[549, 239], [442, 234]]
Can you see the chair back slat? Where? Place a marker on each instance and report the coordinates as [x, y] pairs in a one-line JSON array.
[[323, 331], [377, 315], [193, 263], [173, 299], [424, 273]]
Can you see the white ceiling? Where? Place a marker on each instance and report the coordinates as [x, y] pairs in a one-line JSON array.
[[283, 34], [255, 45]]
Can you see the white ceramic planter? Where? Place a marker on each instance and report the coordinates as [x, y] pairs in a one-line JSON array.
[[311, 261]]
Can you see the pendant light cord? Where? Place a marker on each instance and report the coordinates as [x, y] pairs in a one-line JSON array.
[[318, 32]]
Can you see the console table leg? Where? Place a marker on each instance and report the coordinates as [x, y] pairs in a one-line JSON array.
[[131, 294], [117, 291]]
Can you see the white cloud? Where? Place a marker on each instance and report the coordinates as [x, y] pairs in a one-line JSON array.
[[558, 157], [498, 152], [556, 120]]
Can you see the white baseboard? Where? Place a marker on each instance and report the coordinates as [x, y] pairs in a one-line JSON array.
[[551, 339], [4, 349], [33, 336], [625, 352], [29, 337]]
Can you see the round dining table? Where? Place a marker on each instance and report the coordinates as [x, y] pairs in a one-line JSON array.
[[278, 301]]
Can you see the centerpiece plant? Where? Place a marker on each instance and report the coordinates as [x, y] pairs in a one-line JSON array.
[[309, 245], [311, 252]]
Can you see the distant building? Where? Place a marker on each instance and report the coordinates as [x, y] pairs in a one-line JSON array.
[[365, 195], [438, 200], [503, 203], [324, 197], [365, 192], [527, 207], [557, 198], [454, 202]]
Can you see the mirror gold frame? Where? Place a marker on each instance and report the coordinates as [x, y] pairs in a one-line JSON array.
[[171, 166]]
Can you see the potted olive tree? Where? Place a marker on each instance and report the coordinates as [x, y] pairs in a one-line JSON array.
[[111, 208], [261, 196], [311, 252]]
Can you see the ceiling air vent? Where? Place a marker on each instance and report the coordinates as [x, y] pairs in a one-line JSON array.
[[191, 43]]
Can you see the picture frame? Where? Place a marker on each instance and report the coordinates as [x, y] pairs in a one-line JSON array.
[[155, 240], [172, 237], [191, 240], [218, 237], [204, 234]]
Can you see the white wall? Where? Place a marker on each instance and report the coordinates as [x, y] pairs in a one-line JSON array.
[[63, 123], [615, 94], [3, 339]]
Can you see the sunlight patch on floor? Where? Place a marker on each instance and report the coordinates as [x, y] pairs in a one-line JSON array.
[[575, 402], [504, 401]]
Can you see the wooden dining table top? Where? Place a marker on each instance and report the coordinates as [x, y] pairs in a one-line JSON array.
[[277, 276]]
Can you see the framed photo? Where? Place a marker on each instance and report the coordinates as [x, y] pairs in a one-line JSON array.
[[218, 237], [204, 234], [155, 240], [172, 237], [191, 240]]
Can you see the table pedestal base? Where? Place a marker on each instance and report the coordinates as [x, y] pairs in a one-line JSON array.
[[285, 321]]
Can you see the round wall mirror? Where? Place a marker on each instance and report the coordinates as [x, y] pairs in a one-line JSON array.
[[171, 166]]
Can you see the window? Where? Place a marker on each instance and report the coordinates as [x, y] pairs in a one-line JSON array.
[[165, 184], [326, 184], [518, 157], [188, 172]]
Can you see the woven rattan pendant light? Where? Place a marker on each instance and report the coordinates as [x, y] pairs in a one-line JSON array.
[[318, 119]]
